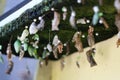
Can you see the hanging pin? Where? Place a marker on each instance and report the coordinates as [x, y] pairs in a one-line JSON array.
[[79, 1]]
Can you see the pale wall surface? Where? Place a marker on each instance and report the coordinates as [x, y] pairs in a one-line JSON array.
[[2, 6], [108, 68]]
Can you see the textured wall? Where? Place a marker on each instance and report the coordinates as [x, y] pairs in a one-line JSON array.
[[108, 68]]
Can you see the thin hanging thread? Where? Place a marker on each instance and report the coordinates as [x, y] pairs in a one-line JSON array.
[[49, 36], [10, 39]]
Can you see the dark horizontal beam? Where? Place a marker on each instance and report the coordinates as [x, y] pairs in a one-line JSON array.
[[14, 9]]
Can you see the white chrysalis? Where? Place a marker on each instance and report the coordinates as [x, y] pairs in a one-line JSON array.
[[49, 47], [41, 24], [64, 9], [33, 27], [56, 41], [55, 21], [25, 33], [81, 21], [72, 19], [117, 5]]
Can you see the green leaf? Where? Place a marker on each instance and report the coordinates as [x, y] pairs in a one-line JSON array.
[[32, 51], [25, 46], [100, 14], [35, 53], [45, 53], [1, 59], [17, 46], [35, 37]]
